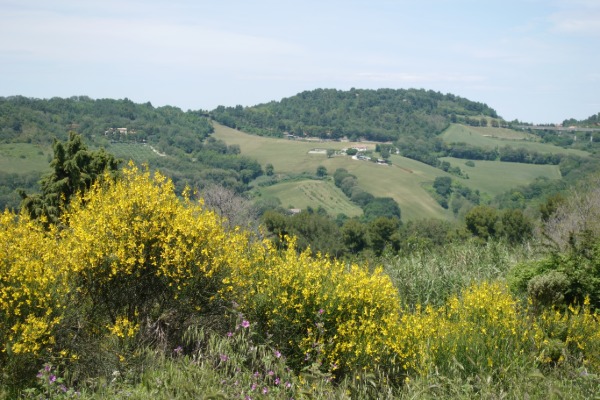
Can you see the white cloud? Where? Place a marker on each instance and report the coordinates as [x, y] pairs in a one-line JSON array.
[[405, 77], [59, 36], [577, 23]]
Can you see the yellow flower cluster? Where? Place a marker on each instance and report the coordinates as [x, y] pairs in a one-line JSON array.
[[480, 327], [320, 310], [33, 289], [123, 328], [122, 249], [574, 332], [133, 241]]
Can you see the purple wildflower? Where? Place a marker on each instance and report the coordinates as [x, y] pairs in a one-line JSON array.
[[224, 357], [245, 324], [277, 354], [277, 381], [265, 390]]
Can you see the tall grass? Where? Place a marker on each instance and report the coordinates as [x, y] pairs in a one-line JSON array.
[[429, 277]]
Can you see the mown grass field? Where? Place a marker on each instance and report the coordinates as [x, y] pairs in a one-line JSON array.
[[27, 157], [24, 157], [499, 137], [496, 177]]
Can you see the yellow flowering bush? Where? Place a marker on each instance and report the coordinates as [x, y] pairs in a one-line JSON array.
[[132, 263], [478, 329], [136, 251], [33, 289], [317, 310], [571, 335]]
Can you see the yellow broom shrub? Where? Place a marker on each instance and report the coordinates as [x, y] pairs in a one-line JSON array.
[[137, 251], [33, 289], [315, 309]]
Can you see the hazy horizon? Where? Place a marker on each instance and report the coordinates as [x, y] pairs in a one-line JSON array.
[[531, 60]]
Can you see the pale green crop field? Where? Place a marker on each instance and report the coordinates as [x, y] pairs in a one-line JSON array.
[[313, 193], [138, 152], [500, 137], [495, 177], [24, 157]]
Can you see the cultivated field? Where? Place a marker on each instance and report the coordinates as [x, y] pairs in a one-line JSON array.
[[404, 180], [138, 152], [499, 137], [304, 193]]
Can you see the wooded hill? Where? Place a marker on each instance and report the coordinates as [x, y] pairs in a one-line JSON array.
[[167, 138], [379, 115]]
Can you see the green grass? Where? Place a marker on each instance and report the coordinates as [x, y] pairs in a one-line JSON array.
[[24, 157], [500, 137], [301, 194], [496, 177]]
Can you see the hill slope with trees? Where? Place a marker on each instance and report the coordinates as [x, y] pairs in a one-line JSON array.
[[380, 115], [176, 142]]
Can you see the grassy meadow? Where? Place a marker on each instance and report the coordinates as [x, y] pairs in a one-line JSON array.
[[500, 137], [24, 157], [496, 177]]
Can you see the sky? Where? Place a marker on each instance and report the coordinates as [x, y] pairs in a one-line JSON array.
[[536, 61]]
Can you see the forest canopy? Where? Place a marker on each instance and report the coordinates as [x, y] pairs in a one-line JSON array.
[[380, 115]]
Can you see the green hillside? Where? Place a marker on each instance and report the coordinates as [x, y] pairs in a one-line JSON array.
[[423, 129], [496, 177], [311, 193], [406, 180], [166, 138], [499, 137], [383, 114]]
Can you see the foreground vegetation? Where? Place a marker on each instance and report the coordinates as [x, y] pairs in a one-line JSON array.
[[139, 293]]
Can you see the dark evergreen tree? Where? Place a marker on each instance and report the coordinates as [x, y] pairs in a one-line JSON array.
[[74, 169]]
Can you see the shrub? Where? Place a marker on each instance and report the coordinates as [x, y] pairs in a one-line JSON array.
[[33, 294], [141, 260], [548, 289], [317, 310]]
